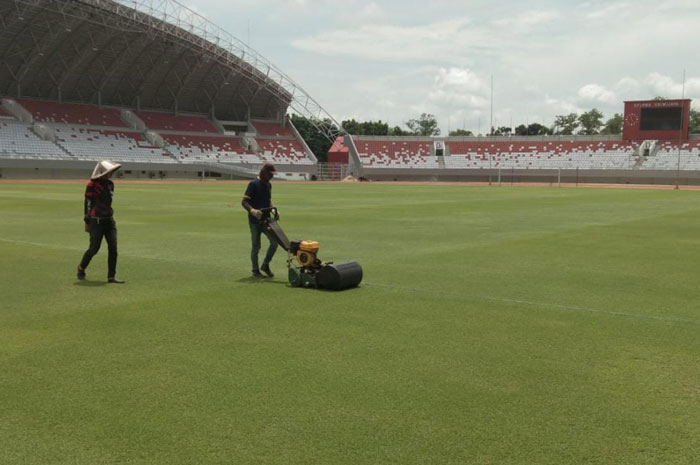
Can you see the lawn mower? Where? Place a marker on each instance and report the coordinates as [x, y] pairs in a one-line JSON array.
[[305, 268]]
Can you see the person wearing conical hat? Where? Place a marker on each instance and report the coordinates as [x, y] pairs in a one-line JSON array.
[[99, 219]]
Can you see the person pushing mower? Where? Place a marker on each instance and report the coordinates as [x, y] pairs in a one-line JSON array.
[[258, 196]]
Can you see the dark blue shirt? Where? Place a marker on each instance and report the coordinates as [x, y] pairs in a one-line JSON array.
[[259, 195]]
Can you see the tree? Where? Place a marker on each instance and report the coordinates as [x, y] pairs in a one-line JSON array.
[[694, 125], [501, 131], [315, 139], [397, 131], [566, 124], [613, 125], [461, 132], [366, 128], [590, 122], [352, 127], [533, 129], [536, 129], [426, 125], [521, 130]]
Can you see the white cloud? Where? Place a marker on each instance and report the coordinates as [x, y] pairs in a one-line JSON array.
[[664, 86], [459, 87], [609, 12], [389, 60], [560, 107], [370, 12], [628, 87], [594, 93], [528, 21], [388, 42]]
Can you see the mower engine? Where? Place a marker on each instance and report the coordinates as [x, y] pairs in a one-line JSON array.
[[305, 268]]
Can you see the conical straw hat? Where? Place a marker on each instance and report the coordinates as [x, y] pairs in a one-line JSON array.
[[104, 167]]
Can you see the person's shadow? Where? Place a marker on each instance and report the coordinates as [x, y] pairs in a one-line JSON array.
[[86, 283], [254, 280]]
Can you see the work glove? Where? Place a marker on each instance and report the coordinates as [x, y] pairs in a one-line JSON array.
[[256, 213]]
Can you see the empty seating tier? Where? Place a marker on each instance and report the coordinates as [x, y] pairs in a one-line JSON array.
[[94, 144], [272, 128], [170, 122], [541, 154], [396, 154], [224, 149], [72, 113], [18, 140], [672, 156], [288, 152]]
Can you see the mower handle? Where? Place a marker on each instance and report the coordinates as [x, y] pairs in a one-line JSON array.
[[270, 212]]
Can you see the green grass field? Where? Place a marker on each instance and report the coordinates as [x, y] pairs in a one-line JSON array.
[[494, 325]]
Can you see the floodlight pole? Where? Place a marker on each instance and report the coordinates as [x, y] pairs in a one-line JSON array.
[[680, 137], [491, 128]]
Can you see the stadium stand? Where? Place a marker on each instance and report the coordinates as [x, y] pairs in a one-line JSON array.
[[480, 154], [272, 128], [5, 114], [671, 156], [72, 113], [94, 144], [283, 151], [17, 140], [169, 122], [208, 148], [541, 154], [395, 153]]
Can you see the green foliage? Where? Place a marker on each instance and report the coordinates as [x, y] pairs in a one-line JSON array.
[[426, 125], [590, 122], [613, 125], [461, 132], [533, 129], [315, 139], [566, 124], [501, 131], [694, 127], [366, 128], [397, 131]]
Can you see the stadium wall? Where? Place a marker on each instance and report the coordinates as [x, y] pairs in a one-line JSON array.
[[80, 169], [509, 176]]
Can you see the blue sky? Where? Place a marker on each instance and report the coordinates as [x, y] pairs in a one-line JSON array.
[[393, 60]]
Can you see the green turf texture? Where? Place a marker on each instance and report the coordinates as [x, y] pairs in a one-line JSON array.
[[494, 325]]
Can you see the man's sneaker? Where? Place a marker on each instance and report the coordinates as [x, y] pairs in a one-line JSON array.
[[115, 281], [266, 269], [257, 274], [81, 273]]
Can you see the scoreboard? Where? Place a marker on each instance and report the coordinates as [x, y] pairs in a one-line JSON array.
[[656, 119]]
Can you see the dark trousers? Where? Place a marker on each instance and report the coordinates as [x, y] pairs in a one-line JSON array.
[[255, 231], [100, 228]]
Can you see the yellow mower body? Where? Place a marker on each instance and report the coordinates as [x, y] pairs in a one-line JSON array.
[[307, 252]]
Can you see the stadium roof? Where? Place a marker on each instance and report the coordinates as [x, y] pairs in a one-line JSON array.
[[144, 53]]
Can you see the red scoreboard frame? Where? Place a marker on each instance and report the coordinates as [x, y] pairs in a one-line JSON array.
[[631, 129]]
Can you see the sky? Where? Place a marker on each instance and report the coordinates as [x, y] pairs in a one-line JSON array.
[[394, 60]]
